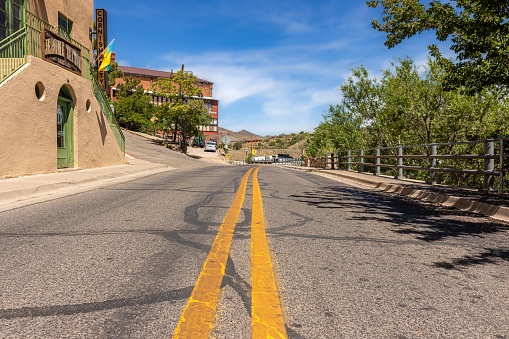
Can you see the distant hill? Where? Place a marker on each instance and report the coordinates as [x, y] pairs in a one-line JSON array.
[[242, 135]]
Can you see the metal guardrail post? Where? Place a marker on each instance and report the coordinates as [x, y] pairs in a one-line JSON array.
[[361, 161], [400, 163], [377, 161], [408, 162], [489, 165], [432, 164], [501, 170]]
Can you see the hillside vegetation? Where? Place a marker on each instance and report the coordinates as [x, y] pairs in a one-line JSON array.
[[243, 142]]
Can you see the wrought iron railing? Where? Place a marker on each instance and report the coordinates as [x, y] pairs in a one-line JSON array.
[[28, 41], [12, 53], [106, 107]]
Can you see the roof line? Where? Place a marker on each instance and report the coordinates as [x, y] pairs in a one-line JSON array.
[[152, 73]]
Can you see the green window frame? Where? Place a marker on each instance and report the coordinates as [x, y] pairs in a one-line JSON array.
[[12, 17], [64, 26]]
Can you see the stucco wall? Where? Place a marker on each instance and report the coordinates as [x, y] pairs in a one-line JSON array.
[[28, 125], [80, 12]]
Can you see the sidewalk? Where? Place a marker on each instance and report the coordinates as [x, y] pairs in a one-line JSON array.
[[16, 192], [491, 205]]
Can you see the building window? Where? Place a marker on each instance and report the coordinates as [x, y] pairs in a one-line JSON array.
[[64, 26], [60, 127], [12, 17]]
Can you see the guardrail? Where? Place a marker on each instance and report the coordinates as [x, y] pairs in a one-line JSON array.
[[12, 53], [276, 161], [289, 161], [470, 163]]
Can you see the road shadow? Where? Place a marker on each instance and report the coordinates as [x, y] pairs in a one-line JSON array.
[[488, 256], [424, 221]]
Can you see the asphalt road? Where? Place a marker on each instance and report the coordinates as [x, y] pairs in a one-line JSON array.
[[121, 261]]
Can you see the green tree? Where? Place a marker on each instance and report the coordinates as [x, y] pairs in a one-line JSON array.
[[318, 144], [361, 95], [183, 109], [477, 30], [113, 74], [407, 106], [132, 108], [237, 145], [340, 130]]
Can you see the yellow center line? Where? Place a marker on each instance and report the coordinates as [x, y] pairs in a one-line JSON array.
[[266, 314], [197, 319]]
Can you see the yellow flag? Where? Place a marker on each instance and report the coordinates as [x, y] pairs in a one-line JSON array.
[[105, 64]]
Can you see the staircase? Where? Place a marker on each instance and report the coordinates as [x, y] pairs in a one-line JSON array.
[[106, 108], [12, 53]]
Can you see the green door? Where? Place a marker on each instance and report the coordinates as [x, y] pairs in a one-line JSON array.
[[65, 134]]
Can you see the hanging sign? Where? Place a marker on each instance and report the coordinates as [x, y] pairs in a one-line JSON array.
[[102, 38], [61, 52]]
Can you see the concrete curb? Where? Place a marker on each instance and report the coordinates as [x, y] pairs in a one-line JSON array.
[[464, 204], [496, 212]]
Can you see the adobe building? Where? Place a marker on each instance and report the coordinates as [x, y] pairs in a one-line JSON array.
[[149, 77], [53, 114]]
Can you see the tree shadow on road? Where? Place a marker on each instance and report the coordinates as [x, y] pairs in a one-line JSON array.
[[424, 221], [489, 256]]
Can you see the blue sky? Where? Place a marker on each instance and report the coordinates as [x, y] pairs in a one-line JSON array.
[[276, 65]]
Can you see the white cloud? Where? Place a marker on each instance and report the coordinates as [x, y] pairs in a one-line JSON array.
[[285, 88]]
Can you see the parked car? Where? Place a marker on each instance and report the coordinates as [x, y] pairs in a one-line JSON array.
[[210, 146], [198, 142]]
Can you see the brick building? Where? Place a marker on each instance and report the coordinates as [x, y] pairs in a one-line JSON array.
[[148, 77]]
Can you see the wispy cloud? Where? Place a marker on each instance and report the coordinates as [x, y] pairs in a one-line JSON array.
[[276, 65], [284, 88]]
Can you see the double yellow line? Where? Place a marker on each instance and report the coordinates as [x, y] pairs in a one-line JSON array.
[[197, 319]]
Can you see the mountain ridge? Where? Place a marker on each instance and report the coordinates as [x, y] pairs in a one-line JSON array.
[[242, 135]]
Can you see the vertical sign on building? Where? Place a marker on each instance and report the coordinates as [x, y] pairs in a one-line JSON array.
[[102, 42]]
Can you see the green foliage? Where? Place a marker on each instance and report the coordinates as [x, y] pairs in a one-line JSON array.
[[133, 109], [183, 112], [114, 74], [406, 107], [339, 131], [477, 30], [272, 144], [237, 145], [249, 157]]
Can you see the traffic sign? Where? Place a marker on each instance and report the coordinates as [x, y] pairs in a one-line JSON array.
[[226, 140]]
